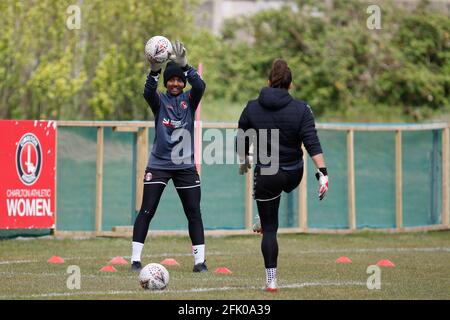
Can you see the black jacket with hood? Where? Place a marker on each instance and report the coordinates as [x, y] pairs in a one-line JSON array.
[[276, 109]]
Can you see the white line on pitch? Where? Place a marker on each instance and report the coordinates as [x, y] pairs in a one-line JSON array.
[[436, 249], [363, 250], [194, 290], [18, 261]]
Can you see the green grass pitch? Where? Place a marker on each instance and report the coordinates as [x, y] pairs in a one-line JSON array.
[[306, 267]]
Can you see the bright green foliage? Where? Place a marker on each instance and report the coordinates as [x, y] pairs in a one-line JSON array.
[[114, 86], [339, 65], [95, 72], [344, 70], [53, 88]]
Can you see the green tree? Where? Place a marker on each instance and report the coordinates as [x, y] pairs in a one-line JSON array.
[[53, 88], [343, 69], [96, 72], [339, 65]]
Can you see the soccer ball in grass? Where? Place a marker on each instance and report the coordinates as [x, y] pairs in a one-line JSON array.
[[154, 277], [158, 49]]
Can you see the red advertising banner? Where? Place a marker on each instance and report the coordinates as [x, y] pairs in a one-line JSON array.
[[27, 174]]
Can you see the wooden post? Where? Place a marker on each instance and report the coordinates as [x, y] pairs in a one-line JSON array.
[[198, 131], [249, 199], [303, 196], [141, 161], [445, 177], [55, 213], [398, 181], [351, 181], [99, 181], [198, 144]]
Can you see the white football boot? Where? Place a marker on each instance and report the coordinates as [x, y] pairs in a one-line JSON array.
[[272, 286]]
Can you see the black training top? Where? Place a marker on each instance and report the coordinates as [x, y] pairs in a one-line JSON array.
[[173, 146], [276, 109]]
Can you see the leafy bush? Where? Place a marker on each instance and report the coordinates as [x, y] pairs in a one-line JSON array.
[[340, 67], [338, 63]]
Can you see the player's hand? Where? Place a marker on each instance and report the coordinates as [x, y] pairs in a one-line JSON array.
[[179, 54], [155, 66], [322, 177], [243, 168], [257, 225]]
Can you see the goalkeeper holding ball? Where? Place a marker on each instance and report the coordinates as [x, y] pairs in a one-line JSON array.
[[276, 109], [172, 156]]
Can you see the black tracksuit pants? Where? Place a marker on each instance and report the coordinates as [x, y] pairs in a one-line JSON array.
[[267, 193], [187, 184]]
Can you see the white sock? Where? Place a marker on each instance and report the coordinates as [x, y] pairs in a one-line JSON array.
[[137, 250], [199, 253], [271, 273]]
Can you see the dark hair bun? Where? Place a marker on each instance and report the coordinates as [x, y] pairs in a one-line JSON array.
[[280, 75]]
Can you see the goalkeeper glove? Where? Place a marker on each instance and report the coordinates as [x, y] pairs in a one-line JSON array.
[[257, 225], [155, 66], [179, 54], [243, 168], [322, 177]]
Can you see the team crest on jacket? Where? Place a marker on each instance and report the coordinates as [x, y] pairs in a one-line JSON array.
[[184, 105], [28, 159]]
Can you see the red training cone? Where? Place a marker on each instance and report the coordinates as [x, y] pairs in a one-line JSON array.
[[170, 262], [385, 263], [118, 260], [55, 260], [343, 259], [108, 269], [223, 270]]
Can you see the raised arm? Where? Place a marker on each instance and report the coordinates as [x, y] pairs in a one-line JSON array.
[[151, 93], [197, 84], [194, 79]]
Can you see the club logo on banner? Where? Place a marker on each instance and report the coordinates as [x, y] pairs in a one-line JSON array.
[[29, 158], [28, 162]]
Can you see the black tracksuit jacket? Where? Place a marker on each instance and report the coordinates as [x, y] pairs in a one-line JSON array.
[[276, 109]]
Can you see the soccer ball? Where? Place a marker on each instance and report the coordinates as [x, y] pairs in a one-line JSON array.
[[154, 277], [158, 49]]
